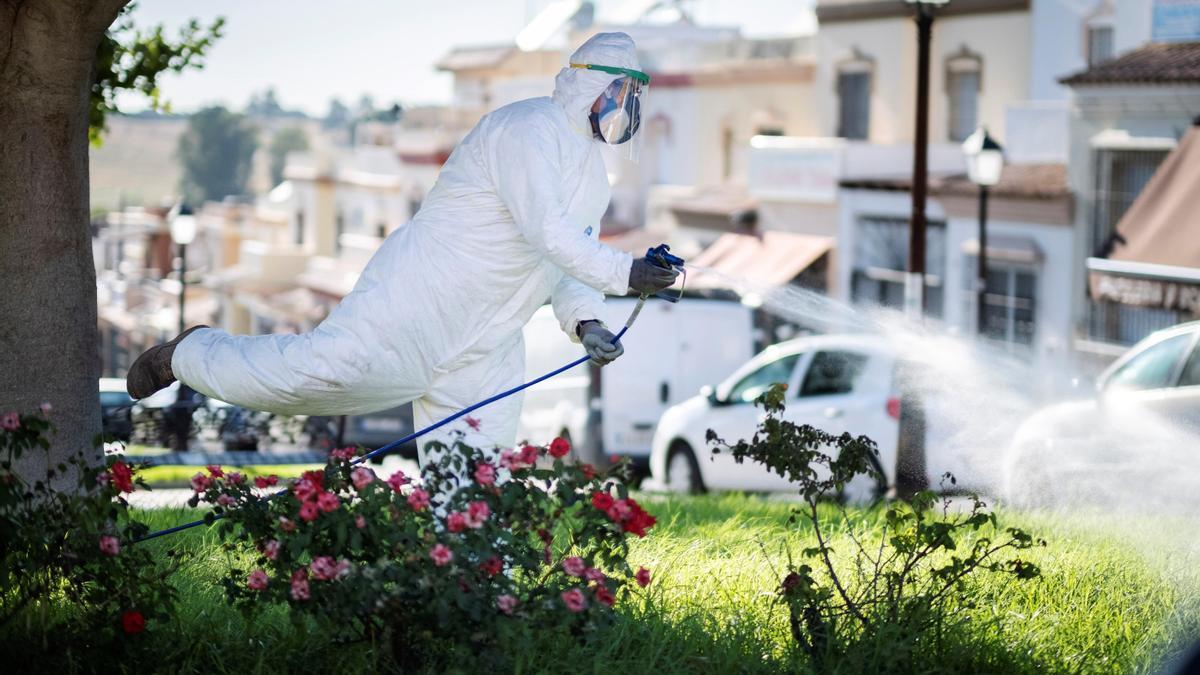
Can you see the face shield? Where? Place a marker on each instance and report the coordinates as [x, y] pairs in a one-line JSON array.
[[617, 115]]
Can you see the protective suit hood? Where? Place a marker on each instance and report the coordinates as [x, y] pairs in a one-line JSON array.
[[575, 89]]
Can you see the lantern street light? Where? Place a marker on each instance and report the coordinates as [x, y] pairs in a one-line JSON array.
[[183, 232], [985, 163], [914, 282]]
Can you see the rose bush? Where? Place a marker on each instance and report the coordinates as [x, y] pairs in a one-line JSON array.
[[479, 547], [67, 572]]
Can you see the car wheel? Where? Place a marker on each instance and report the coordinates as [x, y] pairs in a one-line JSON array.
[[683, 472], [866, 488]]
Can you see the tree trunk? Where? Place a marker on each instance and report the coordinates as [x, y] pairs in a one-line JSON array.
[[48, 338]]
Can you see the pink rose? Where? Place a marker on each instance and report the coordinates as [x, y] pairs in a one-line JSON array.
[[257, 581], [286, 525], [265, 481], [305, 489], [109, 545], [509, 460], [235, 478], [271, 549], [362, 477], [323, 568], [477, 513], [45, 407], [328, 501], [456, 522], [360, 522], [529, 455], [574, 600], [506, 603], [345, 454], [642, 577], [300, 584], [593, 574], [309, 511], [574, 566], [485, 474], [418, 499], [200, 483], [473, 423], [441, 555], [397, 480], [10, 421], [342, 568], [225, 500], [215, 471]]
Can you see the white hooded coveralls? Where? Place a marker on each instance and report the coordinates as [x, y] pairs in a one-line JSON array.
[[436, 316]]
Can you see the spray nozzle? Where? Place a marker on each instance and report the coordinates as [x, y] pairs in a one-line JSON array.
[[661, 255]]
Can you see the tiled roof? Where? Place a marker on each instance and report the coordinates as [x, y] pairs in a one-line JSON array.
[[1022, 181], [467, 58], [1159, 63]]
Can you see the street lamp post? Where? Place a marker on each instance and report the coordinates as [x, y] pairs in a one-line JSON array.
[[914, 281], [985, 163], [183, 232]]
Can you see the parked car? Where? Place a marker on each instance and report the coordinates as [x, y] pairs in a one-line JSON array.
[[837, 383], [372, 430], [1136, 436], [116, 409], [671, 350]]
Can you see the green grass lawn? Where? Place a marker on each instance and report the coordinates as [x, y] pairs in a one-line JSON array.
[[1117, 595], [178, 476]]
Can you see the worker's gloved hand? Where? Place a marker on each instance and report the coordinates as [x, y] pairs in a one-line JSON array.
[[647, 277], [598, 341]]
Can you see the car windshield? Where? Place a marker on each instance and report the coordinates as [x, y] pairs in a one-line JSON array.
[[1153, 367], [753, 385]]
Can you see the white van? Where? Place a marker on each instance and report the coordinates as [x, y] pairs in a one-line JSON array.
[[671, 351]]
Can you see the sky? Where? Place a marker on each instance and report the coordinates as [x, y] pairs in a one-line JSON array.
[[313, 50]]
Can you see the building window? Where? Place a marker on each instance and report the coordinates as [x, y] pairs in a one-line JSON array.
[[1009, 304], [726, 153], [963, 83], [1120, 177], [1099, 44], [854, 100], [381, 231], [881, 260], [299, 231], [339, 228]]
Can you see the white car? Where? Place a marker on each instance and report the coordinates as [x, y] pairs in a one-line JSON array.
[[1132, 444], [611, 412], [837, 383]]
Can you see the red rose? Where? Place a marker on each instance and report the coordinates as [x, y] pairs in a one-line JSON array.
[[642, 577], [133, 622], [560, 447], [639, 520], [602, 500], [122, 476], [589, 471], [492, 566], [605, 596]]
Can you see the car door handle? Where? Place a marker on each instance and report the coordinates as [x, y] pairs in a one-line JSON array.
[[833, 413]]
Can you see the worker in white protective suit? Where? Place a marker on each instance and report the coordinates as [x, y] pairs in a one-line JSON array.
[[436, 316]]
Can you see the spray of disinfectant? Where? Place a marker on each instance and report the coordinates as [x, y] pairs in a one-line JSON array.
[[1023, 432]]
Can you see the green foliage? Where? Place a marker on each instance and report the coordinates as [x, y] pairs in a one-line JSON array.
[[904, 583], [132, 59], [288, 139], [67, 573], [457, 562], [216, 153]]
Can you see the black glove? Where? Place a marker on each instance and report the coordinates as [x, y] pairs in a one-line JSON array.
[[598, 341], [647, 277]]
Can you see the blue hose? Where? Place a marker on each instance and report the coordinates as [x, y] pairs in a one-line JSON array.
[[436, 425]]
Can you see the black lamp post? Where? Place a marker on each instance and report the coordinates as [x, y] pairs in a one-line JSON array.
[[183, 232], [985, 163], [914, 282]]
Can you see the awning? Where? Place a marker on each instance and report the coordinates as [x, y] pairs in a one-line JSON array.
[[1021, 250], [1160, 229], [763, 261], [716, 208]]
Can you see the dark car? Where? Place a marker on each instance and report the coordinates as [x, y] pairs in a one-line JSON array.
[[116, 409], [373, 430]]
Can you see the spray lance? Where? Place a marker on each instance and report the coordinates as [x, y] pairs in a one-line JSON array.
[[662, 257]]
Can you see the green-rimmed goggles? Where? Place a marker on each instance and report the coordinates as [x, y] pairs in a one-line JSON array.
[[637, 75]]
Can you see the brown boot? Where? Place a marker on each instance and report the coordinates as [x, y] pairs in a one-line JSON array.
[[151, 371]]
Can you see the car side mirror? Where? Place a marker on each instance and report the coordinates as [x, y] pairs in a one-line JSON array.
[[710, 393]]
